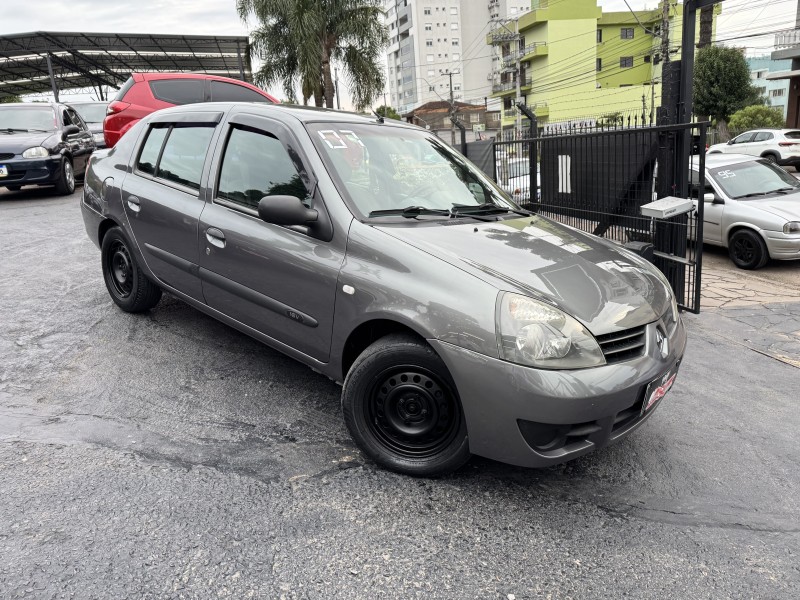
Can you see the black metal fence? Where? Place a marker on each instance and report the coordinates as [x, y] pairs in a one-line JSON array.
[[595, 176]]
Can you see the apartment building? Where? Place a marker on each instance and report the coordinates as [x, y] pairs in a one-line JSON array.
[[775, 90], [438, 43]]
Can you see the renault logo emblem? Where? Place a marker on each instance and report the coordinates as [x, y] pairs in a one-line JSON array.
[[662, 343]]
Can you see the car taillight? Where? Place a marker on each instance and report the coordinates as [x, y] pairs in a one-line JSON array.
[[784, 144], [116, 107]]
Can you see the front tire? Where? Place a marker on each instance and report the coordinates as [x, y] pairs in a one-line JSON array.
[[66, 181], [127, 284], [747, 250], [402, 409]]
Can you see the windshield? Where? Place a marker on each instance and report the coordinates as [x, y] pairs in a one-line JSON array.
[[24, 118], [753, 179], [384, 168], [92, 113]]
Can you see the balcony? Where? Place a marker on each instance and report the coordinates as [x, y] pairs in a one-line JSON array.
[[787, 39], [502, 36], [534, 50]]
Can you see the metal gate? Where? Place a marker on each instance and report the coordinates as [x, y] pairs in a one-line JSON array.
[[597, 178]]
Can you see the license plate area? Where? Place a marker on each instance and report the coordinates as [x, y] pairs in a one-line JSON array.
[[658, 388]]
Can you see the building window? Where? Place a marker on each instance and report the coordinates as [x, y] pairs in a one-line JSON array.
[[429, 58], [599, 65], [454, 26], [777, 93], [431, 72], [429, 43], [426, 11], [599, 36], [625, 62], [647, 58], [456, 57], [474, 118], [454, 42], [454, 11], [428, 26], [626, 33]]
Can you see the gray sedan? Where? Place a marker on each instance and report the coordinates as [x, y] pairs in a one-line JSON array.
[[752, 208], [375, 254]]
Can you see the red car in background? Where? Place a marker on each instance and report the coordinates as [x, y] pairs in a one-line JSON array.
[[144, 93]]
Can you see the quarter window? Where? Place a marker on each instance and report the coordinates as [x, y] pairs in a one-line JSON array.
[[230, 92], [257, 165], [148, 158], [178, 91]]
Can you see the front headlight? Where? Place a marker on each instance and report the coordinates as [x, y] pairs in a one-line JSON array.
[[98, 137], [536, 334], [36, 152], [792, 227]]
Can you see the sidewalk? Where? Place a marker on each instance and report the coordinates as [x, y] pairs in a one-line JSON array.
[[752, 311]]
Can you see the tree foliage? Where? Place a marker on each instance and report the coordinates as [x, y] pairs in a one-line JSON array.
[[722, 83], [299, 39], [9, 99], [388, 112], [756, 117]]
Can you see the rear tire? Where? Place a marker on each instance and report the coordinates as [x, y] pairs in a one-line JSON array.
[[747, 250], [402, 409], [127, 284], [771, 158], [66, 181]]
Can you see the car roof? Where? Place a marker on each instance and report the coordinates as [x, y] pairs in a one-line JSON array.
[[723, 160], [304, 114]]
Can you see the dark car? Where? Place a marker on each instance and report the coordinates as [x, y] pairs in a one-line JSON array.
[[93, 114], [43, 144], [144, 93], [377, 255]]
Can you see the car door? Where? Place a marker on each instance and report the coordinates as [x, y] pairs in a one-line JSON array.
[[278, 280], [81, 145], [161, 196], [741, 144], [712, 212], [762, 141]]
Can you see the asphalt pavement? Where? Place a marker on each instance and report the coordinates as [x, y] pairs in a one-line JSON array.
[[166, 455]]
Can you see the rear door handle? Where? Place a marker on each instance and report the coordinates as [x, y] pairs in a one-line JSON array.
[[215, 237], [134, 204]]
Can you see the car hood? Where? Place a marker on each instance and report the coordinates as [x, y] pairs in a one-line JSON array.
[[605, 287], [786, 207], [21, 141]]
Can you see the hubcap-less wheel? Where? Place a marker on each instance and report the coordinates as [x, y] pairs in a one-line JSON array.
[[744, 250], [747, 250], [121, 269], [411, 413]]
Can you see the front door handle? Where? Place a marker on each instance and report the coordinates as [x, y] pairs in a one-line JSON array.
[[215, 237], [134, 204]]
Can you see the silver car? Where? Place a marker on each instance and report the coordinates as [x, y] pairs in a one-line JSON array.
[[752, 208], [375, 254]]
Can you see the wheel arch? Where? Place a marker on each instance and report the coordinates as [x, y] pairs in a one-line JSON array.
[[739, 227], [106, 224], [368, 332], [772, 153]]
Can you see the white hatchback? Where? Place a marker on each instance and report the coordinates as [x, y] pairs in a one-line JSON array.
[[780, 146], [751, 207]]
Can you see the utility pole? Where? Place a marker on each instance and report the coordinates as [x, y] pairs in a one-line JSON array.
[[452, 112], [519, 77], [706, 26], [336, 87]]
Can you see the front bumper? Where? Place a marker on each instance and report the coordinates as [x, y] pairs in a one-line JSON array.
[[33, 171], [595, 406], [782, 246]]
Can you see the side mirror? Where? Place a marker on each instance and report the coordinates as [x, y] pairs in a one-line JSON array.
[[286, 210], [71, 130], [713, 198], [730, 142]]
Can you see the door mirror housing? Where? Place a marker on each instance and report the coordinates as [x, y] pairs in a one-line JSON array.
[[286, 210], [713, 198], [730, 142], [71, 130]]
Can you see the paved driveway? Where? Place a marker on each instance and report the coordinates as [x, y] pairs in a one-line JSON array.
[[168, 456]]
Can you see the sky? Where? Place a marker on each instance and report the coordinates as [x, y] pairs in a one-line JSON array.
[[218, 17]]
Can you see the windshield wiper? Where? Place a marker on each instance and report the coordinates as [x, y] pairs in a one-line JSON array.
[[12, 129], [783, 190], [469, 209], [410, 212], [36, 130]]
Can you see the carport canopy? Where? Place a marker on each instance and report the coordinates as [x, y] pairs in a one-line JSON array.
[[46, 61]]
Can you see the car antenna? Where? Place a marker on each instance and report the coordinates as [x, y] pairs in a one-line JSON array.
[[377, 115]]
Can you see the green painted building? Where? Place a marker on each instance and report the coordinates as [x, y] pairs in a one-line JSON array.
[[578, 62]]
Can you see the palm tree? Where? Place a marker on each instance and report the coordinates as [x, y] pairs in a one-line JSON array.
[[298, 40]]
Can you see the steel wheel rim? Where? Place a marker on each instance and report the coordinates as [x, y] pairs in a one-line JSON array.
[[411, 412], [744, 250], [120, 269], [70, 175]]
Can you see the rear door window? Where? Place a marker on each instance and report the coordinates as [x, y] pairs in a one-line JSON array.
[[178, 91], [230, 92], [763, 136], [176, 153], [255, 165]]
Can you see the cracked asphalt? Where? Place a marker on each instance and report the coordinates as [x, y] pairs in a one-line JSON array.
[[168, 456]]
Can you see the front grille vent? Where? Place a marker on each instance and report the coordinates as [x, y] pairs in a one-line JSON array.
[[623, 345], [6, 155]]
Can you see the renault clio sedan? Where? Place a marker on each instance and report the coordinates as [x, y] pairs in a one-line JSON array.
[[751, 207], [374, 253]]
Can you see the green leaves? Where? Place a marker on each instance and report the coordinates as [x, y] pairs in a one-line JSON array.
[[298, 39], [721, 82], [757, 117]]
